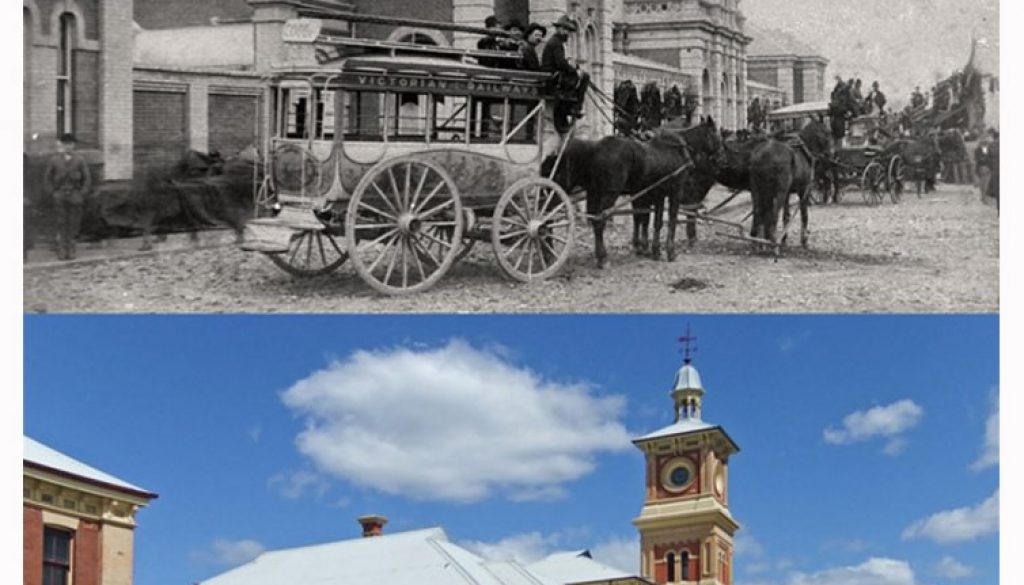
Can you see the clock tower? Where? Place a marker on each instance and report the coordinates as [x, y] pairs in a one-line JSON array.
[[685, 526]]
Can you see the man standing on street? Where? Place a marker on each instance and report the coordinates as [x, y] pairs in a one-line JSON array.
[[570, 83], [68, 180]]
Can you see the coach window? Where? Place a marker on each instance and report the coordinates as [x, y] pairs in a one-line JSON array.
[[488, 120], [323, 122], [408, 117], [56, 556], [65, 74], [364, 115], [520, 129], [450, 115]]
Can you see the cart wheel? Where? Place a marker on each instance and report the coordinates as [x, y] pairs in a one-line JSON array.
[[394, 221], [872, 181], [897, 171], [310, 253], [264, 200], [532, 229]]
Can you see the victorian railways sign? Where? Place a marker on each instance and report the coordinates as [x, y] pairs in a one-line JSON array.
[[417, 84]]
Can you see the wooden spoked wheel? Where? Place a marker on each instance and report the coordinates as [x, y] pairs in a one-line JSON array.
[[872, 182], [532, 229], [310, 253], [897, 171], [395, 221]]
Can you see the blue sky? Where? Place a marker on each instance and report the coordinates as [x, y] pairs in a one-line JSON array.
[[865, 450]]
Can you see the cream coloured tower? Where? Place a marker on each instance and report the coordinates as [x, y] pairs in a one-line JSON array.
[[686, 529]]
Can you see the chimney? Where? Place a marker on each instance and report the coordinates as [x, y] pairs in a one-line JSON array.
[[373, 524]]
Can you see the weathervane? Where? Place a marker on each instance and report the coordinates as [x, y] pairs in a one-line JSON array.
[[686, 340]]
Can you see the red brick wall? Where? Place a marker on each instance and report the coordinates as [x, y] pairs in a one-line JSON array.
[[87, 98], [159, 130], [232, 122], [32, 534], [88, 558]]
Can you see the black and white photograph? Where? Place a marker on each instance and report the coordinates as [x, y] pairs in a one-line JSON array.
[[511, 156]]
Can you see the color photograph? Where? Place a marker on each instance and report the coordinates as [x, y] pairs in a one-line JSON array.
[[462, 450]]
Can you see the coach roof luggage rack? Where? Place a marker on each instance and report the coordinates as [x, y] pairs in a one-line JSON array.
[[309, 28]]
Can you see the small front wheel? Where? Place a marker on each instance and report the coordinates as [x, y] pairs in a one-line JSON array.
[[897, 170], [532, 229], [872, 183]]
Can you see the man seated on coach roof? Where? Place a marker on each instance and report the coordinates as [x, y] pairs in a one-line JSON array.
[[529, 58], [570, 83], [490, 42]]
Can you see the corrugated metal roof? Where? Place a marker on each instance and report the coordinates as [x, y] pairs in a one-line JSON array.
[[418, 557], [685, 425], [803, 109], [575, 567], [40, 454]]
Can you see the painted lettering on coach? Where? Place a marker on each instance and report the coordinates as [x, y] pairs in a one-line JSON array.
[[469, 86]]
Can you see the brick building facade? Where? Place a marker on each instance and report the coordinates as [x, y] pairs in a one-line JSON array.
[[780, 60], [78, 522]]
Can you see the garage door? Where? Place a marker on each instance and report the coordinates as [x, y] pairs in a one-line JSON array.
[[232, 122], [160, 130]]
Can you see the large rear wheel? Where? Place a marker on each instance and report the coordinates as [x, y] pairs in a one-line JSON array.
[[532, 229], [394, 223], [310, 253]]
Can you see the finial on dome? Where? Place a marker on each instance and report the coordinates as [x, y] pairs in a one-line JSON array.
[[686, 340]]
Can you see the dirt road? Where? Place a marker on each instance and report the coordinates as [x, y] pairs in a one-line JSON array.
[[936, 254]]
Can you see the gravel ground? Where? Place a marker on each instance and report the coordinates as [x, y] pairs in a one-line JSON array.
[[936, 254]]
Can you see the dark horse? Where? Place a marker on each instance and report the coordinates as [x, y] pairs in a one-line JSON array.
[[708, 155], [614, 166], [779, 168]]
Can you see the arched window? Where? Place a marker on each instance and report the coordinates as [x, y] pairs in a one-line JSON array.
[[670, 563], [684, 566], [65, 74]]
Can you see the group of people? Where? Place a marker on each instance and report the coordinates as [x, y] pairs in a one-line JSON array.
[[568, 82], [646, 108], [850, 93]]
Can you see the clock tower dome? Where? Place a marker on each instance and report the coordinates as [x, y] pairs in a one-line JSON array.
[[685, 526]]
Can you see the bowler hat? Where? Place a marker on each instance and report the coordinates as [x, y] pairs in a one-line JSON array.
[[567, 23]]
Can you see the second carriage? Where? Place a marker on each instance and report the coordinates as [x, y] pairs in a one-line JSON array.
[[400, 161]]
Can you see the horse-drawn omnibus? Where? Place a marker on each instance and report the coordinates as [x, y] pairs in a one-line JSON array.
[[398, 157]]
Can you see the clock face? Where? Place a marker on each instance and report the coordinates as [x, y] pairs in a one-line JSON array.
[[719, 482], [679, 477], [678, 474]]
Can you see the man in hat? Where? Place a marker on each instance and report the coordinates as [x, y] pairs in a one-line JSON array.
[[570, 83], [67, 179], [534, 36], [875, 102], [490, 42]]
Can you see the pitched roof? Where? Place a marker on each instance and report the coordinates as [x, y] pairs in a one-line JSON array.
[[40, 455], [770, 42], [576, 567], [684, 425]]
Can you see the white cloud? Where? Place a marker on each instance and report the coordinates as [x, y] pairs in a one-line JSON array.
[[950, 568], [293, 485], [230, 553], [854, 545], [747, 546], [990, 448], [879, 421], [620, 552], [255, 432], [874, 571], [453, 423], [959, 524], [527, 547]]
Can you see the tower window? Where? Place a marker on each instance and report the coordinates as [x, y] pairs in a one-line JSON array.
[[56, 556], [670, 562], [684, 566]]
